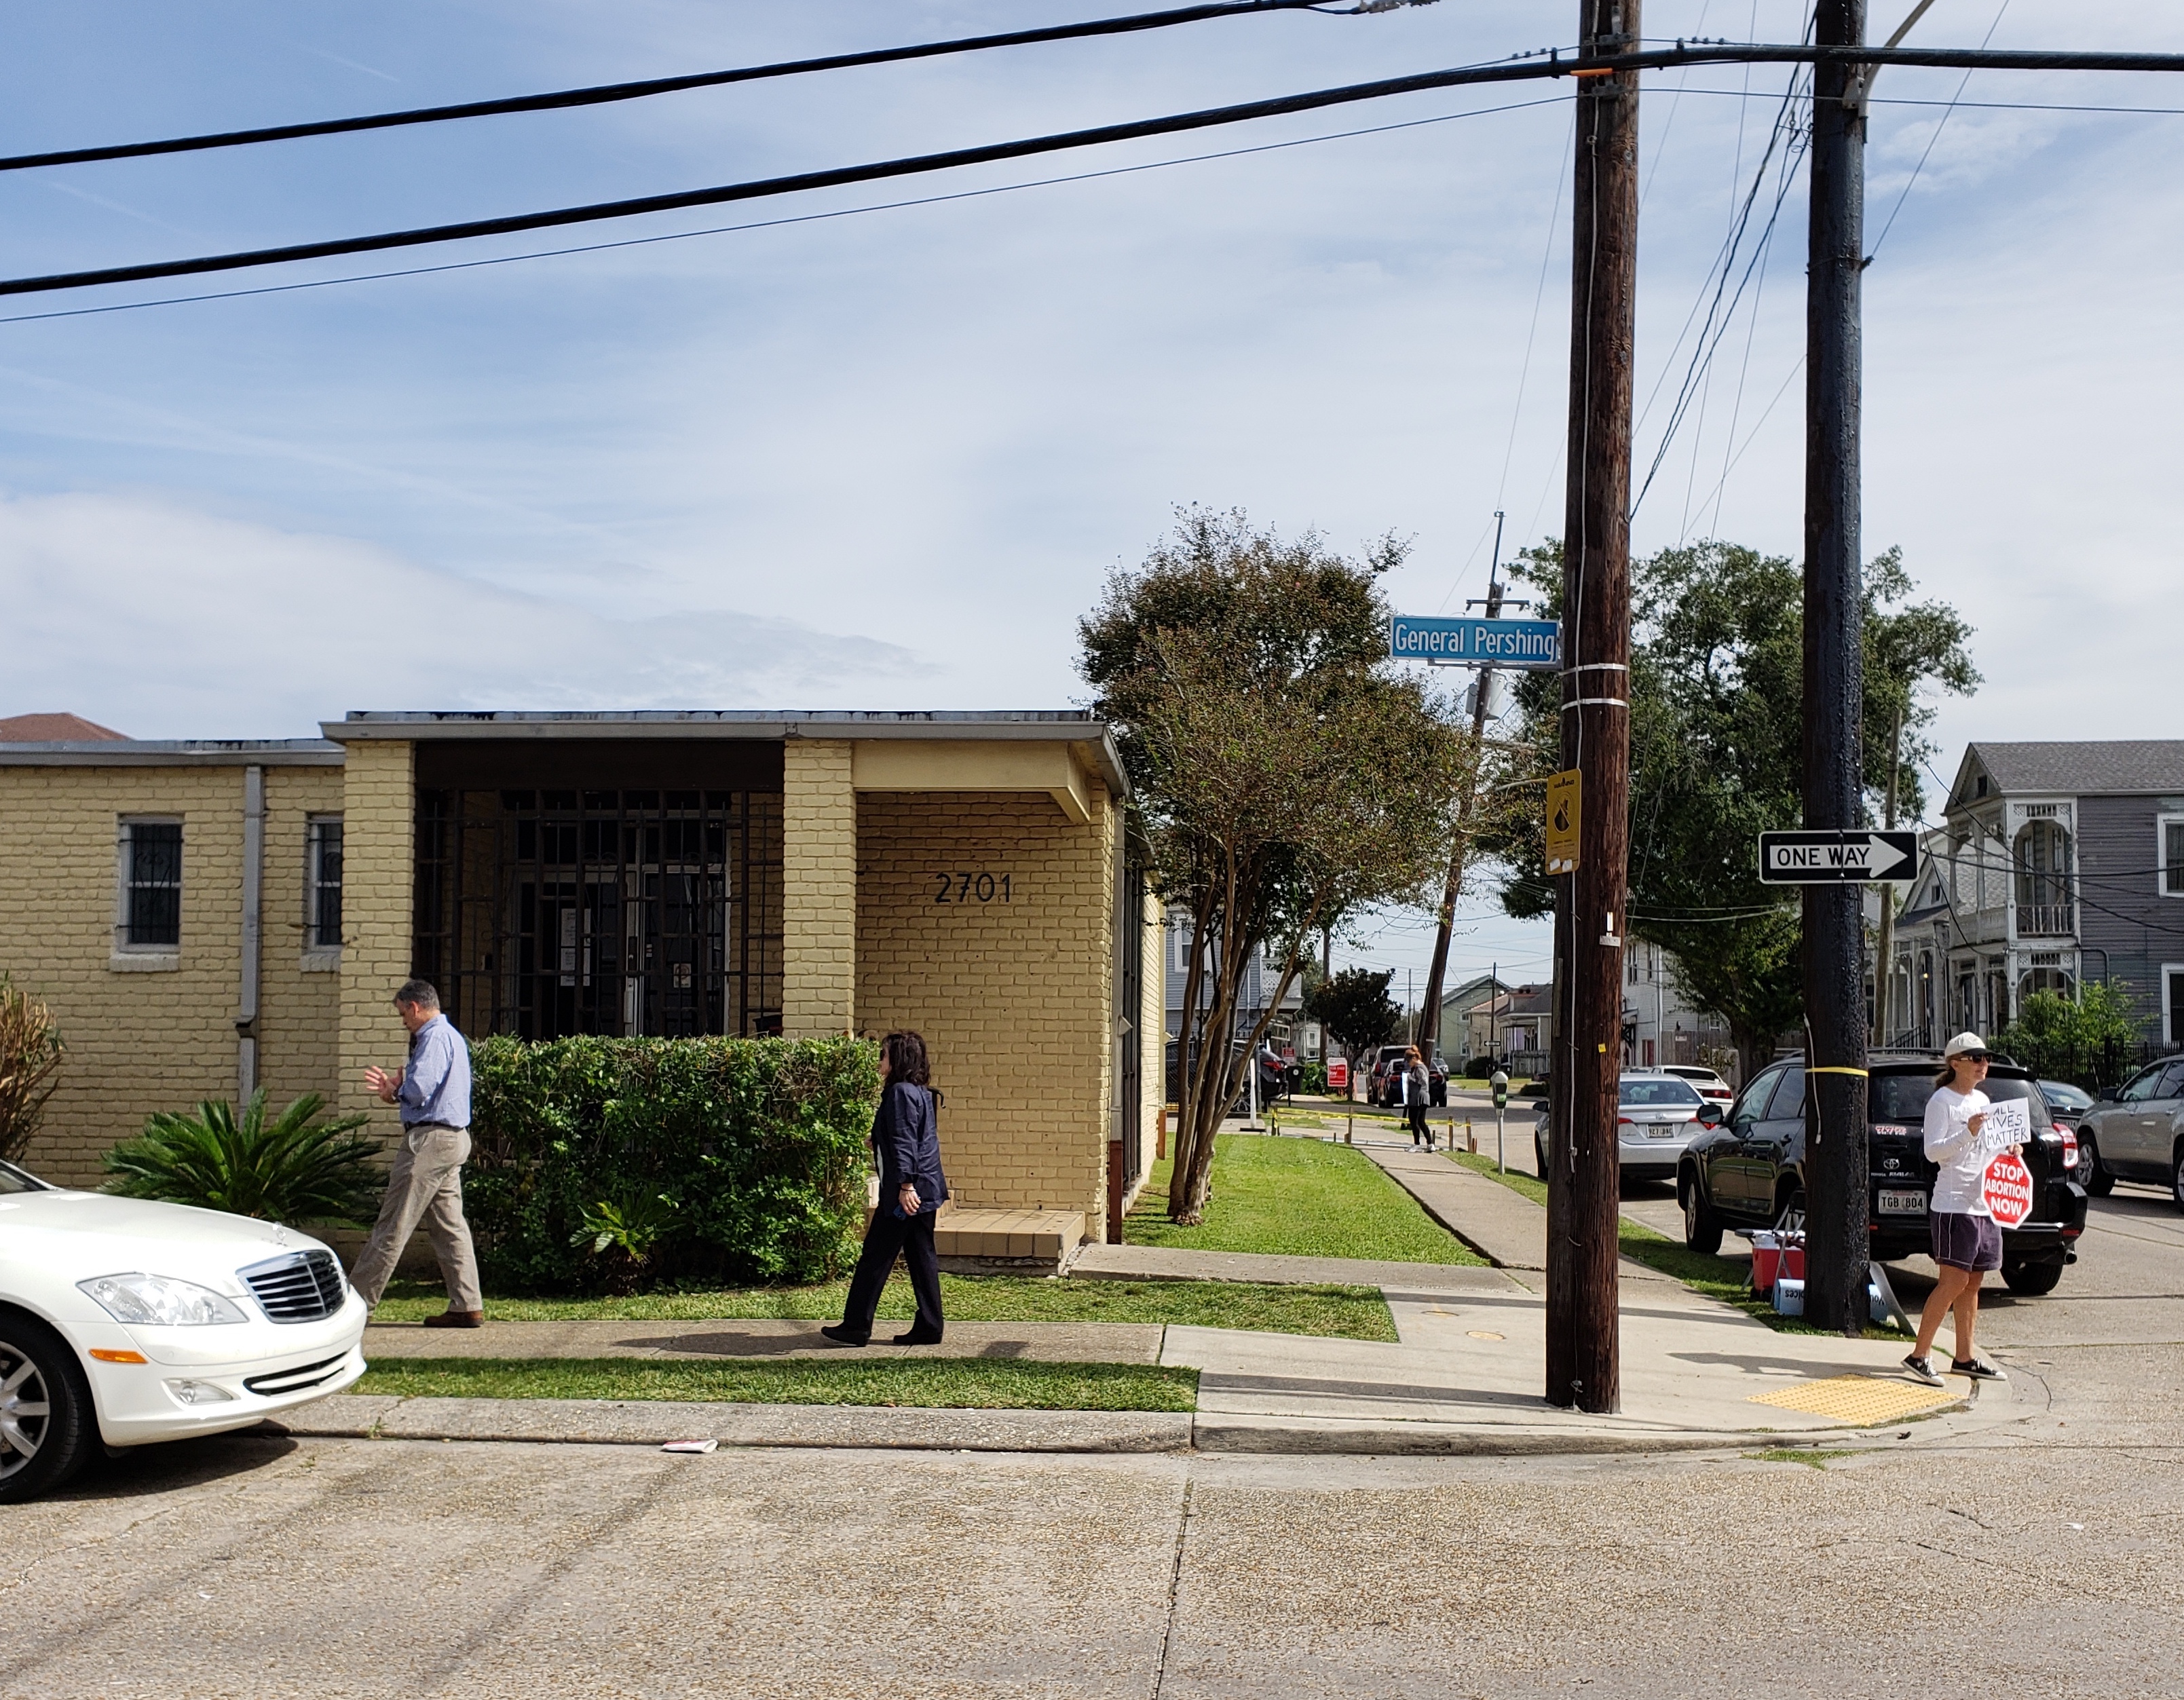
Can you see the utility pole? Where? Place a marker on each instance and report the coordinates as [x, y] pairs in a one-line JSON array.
[[1430, 1011], [1836, 1243], [1884, 972], [1584, 1360]]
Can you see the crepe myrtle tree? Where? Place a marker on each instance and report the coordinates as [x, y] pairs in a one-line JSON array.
[[1285, 772], [1355, 1008]]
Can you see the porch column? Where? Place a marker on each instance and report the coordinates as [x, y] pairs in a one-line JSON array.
[[818, 889], [379, 880]]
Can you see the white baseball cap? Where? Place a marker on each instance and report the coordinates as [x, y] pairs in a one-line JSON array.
[[1962, 1043]]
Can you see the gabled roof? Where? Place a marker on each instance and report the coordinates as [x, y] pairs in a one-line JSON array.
[[2077, 769], [55, 728]]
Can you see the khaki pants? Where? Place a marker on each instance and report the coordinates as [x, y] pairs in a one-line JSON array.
[[424, 1183]]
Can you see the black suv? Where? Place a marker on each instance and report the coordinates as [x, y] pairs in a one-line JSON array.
[[1750, 1171]]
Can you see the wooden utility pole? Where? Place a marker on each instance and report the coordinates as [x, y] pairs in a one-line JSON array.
[[1884, 974], [1429, 1009], [1837, 1244], [1583, 1368]]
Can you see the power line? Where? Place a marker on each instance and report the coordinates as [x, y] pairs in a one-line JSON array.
[[1523, 70], [1874, 252], [603, 94], [776, 224]]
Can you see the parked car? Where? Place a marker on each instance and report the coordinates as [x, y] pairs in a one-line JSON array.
[[1657, 1117], [1380, 1088], [2068, 1104], [126, 1322], [1710, 1085], [2136, 1131], [1750, 1171]]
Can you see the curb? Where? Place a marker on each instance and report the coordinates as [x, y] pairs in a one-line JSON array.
[[634, 1422]]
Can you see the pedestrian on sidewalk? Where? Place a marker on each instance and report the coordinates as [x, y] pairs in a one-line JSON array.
[[1967, 1241], [906, 1143], [425, 1181], [1416, 1088]]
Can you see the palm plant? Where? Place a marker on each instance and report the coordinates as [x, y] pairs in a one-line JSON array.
[[623, 1234], [30, 1064], [298, 1167]]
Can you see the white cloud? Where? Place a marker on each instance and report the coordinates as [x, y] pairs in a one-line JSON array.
[[167, 622]]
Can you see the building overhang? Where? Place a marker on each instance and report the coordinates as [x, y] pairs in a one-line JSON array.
[[1063, 730], [193, 752]]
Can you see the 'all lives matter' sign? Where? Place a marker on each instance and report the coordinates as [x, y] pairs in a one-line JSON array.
[[2006, 1188]]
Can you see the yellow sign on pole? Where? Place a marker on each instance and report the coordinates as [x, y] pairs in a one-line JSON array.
[[1562, 816]]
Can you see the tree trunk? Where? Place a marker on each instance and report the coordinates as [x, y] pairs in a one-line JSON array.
[[1754, 1051]]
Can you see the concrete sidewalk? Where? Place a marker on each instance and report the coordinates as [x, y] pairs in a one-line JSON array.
[[1495, 1221], [1169, 1263], [1036, 1342]]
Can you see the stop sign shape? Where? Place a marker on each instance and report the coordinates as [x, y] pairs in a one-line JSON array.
[[2006, 1189]]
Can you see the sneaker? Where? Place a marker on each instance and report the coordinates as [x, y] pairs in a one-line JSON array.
[[1977, 1367], [1922, 1369]]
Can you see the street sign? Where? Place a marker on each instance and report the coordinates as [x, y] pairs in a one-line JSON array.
[[1836, 858], [1536, 644], [1564, 800]]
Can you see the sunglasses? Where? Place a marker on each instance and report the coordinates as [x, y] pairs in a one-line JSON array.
[[1973, 1056]]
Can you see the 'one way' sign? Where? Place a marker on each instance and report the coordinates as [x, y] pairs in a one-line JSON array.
[[1836, 858]]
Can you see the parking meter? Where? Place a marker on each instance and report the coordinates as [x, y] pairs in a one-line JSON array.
[[1501, 1084]]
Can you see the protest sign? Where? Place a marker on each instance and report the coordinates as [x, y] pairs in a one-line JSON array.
[[2006, 1189]]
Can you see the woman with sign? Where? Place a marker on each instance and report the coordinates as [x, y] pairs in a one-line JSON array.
[[1966, 1237]]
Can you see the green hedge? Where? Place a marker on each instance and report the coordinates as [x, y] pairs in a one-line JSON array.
[[760, 1144]]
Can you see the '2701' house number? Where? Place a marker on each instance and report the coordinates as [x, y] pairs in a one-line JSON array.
[[971, 887]]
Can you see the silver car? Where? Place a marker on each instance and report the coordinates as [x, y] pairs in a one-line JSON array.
[[1657, 1116]]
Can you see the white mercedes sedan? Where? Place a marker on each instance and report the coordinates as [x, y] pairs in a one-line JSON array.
[[124, 1322]]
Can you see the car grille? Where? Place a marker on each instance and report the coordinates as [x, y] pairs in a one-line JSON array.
[[303, 1286], [297, 1380]]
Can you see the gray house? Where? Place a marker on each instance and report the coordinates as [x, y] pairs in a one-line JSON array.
[[2055, 862]]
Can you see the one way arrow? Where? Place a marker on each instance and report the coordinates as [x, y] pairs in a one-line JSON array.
[[1835, 858]]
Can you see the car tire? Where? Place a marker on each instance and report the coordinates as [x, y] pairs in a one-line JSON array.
[[47, 1424], [2097, 1181], [2176, 1175], [1701, 1227], [2030, 1280], [1540, 1155]]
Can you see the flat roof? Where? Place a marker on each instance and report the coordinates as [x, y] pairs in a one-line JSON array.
[[1070, 726], [175, 752]]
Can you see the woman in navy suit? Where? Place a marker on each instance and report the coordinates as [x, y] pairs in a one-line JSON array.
[[906, 1142]]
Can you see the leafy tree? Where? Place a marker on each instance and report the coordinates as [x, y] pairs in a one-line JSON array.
[[1286, 773], [1716, 698], [30, 1066], [1355, 1008], [298, 1168], [2082, 1042]]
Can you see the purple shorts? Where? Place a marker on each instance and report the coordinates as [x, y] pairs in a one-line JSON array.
[[1965, 1241]]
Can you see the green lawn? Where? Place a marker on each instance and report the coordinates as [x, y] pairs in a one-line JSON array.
[[1344, 1312], [1717, 1278], [1306, 1198], [987, 1383]]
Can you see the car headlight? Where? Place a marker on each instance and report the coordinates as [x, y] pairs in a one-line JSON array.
[[160, 1299]]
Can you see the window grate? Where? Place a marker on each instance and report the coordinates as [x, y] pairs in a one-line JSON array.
[[155, 883], [325, 920], [547, 912]]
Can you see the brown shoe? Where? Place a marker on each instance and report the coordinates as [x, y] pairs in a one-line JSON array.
[[456, 1320]]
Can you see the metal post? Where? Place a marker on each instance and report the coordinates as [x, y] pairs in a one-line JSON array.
[[1884, 968], [1836, 1239], [1583, 1356]]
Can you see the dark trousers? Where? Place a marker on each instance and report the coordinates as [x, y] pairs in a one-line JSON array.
[[890, 1236], [1418, 1128]]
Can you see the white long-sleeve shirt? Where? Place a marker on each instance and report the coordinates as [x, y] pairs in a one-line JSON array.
[[1953, 1148]]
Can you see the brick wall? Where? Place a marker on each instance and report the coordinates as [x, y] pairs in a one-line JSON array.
[[378, 887], [1012, 993], [818, 889], [140, 1041]]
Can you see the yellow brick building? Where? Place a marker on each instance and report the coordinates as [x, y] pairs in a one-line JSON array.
[[204, 917]]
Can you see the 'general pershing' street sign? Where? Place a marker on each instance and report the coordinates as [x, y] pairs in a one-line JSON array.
[[1466, 642], [1836, 858]]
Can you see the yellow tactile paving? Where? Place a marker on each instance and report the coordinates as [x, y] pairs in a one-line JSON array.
[[1859, 1398]]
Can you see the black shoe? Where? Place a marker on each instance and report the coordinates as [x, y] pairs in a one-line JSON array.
[[1977, 1367], [914, 1338], [842, 1336], [1922, 1369]]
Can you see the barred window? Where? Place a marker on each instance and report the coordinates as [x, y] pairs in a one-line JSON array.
[[2172, 857], [151, 873], [323, 923]]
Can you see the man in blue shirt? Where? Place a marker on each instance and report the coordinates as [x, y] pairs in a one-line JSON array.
[[425, 1181]]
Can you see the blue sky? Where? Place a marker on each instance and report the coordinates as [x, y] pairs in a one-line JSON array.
[[884, 460]]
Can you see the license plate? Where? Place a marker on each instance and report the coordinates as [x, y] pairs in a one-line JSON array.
[[1667, 1131], [1902, 1203]]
